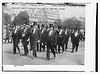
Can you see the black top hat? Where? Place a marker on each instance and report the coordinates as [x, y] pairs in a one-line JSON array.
[[42, 25], [50, 25], [59, 27], [34, 22]]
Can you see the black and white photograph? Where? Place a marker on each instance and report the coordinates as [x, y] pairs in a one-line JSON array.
[[39, 34], [43, 34]]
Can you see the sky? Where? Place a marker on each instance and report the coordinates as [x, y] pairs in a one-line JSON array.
[[72, 11]]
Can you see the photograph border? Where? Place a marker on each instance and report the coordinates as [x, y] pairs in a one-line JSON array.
[[96, 52]]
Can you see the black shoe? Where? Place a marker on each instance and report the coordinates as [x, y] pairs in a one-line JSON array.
[[48, 59], [14, 52], [54, 56], [30, 49], [72, 51], [35, 56]]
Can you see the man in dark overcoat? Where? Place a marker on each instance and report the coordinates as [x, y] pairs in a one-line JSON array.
[[75, 40], [50, 42], [25, 38], [16, 33], [60, 39]]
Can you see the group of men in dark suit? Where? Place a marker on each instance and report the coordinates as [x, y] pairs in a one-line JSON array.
[[41, 37]]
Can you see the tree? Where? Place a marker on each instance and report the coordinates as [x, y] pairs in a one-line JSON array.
[[82, 22], [72, 23], [21, 18], [58, 22], [6, 19]]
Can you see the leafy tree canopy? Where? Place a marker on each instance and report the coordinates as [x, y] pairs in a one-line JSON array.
[[21, 18]]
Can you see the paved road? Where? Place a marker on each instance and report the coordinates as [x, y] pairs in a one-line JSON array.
[[66, 58]]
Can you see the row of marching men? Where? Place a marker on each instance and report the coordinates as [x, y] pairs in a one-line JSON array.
[[44, 38]]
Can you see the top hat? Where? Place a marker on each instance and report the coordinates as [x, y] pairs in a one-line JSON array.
[[43, 25], [50, 25], [59, 27]]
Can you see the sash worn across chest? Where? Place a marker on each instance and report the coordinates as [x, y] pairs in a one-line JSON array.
[[34, 31], [25, 29], [43, 30], [15, 30], [60, 32], [51, 32], [66, 32], [76, 34]]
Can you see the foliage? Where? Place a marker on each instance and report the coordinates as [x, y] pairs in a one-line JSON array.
[[21, 18], [6, 19], [58, 22], [72, 23]]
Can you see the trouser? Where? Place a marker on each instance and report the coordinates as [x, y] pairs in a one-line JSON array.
[[48, 53], [66, 41], [15, 44], [38, 46], [30, 45], [75, 45], [42, 46], [34, 49], [25, 43], [50, 46], [60, 44], [66, 44]]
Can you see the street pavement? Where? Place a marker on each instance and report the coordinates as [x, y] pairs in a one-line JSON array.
[[65, 58]]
